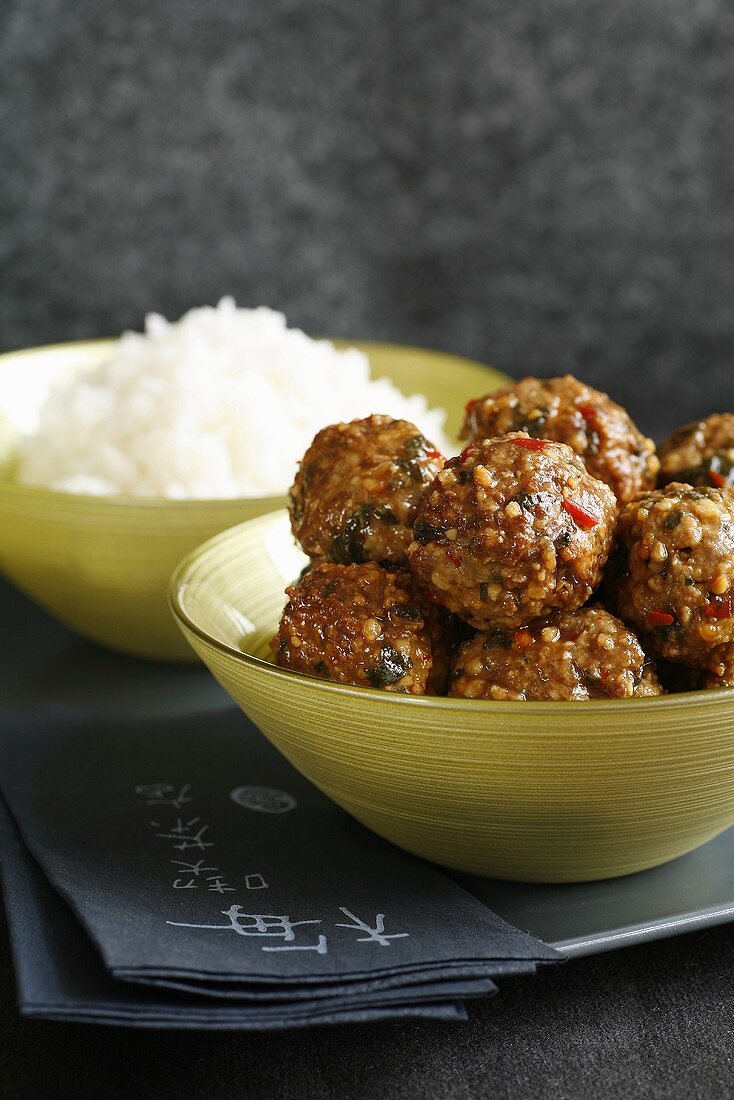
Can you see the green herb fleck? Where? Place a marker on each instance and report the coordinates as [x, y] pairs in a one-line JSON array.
[[390, 667], [415, 446], [409, 464], [427, 532], [383, 513]]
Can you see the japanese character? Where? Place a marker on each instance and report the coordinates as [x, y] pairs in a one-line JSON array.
[[218, 885], [159, 794], [182, 830], [374, 935], [195, 869], [255, 882], [253, 924]]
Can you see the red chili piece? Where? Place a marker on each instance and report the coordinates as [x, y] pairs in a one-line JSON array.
[[433, 454], [660, 618], [579, 515], [523, 638], [718, 479], [720, 608], [587, 411], [453, 558], [530, 444]]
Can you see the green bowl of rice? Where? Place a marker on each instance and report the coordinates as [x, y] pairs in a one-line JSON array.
[[119, 457]]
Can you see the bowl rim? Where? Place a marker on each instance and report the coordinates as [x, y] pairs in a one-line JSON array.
[[267, 503], [178, 582]]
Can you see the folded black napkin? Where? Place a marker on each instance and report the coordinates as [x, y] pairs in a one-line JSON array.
[[61, 977], [208, 884]]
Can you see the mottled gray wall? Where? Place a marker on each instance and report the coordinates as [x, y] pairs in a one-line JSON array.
[[545, 185]]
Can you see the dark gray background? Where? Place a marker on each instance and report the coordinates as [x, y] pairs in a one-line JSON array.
[[546, 186], [543, 184]]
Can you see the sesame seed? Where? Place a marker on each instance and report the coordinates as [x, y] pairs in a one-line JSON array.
[[372, 629]]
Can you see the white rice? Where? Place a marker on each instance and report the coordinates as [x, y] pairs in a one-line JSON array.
[[222, 403]]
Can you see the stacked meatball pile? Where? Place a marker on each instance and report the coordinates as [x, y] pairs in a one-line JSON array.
[[542, 563]]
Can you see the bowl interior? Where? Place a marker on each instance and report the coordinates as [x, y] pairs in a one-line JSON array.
[[240, 603]]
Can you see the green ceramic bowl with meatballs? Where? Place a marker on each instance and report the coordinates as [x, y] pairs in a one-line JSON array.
[[544, 792], [515, 663]]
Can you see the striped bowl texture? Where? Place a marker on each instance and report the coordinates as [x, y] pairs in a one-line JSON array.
[[540, 792], [102, 564]]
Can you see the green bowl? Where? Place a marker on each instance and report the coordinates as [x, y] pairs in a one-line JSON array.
[[540, 792], [102, 564]]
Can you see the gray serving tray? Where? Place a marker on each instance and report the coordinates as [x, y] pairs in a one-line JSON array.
[[44, 663]]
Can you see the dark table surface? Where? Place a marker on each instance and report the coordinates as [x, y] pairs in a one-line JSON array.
[[652, 1021]]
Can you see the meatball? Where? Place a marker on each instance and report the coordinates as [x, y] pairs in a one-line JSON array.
[[587, 421], [572, 655], [674, 570], [357, 489], [720, 668], [700, 453], [510, 530], [446, 633], [362, 625]]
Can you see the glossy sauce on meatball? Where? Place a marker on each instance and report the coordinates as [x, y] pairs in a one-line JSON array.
[[362, 625], [675, 570], [572, 655], [720, 669], [564, 409], [701, 453], [357, 489], [510, 530]]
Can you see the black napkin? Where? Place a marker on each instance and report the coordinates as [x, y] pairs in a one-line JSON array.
[[220, 888], [60, 976]]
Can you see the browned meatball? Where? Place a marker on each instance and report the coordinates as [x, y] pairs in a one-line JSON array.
[[572, 655], [675, 568], [510, 530], [700, 453], [720, 669], [566, 410], [446, 635], [356, 491], [363, 625]]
